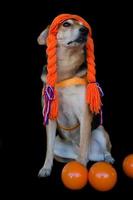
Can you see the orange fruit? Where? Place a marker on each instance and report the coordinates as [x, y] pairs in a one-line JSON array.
[[74, 175], [102, 176], [128, 165]]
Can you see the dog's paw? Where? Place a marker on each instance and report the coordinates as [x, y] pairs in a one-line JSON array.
[[108, 158], [44, 172]]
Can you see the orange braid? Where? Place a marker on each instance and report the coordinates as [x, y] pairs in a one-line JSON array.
[[52, 73], [93, 94]]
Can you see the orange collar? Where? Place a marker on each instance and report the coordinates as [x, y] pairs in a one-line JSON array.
[[72, 81]]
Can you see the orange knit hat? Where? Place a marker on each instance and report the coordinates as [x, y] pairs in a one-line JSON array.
[[93, 95]]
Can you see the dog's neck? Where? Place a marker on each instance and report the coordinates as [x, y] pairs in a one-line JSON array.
[[69, 62]]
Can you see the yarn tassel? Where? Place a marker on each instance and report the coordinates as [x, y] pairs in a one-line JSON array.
[[94, 93], [50, 104], [54, 107]]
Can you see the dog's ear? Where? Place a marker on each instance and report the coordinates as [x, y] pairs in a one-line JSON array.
[[43, 36]]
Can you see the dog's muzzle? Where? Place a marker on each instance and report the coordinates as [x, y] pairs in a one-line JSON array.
[[83, 32]]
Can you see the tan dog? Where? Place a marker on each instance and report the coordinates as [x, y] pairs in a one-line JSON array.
[[76, 140]]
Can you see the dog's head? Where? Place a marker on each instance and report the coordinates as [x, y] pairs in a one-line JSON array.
[[71, 33]]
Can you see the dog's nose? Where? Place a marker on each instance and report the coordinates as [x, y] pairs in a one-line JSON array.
[[84, 30]]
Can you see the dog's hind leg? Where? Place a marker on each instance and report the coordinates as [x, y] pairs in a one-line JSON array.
[[100, 147], [51, 133]]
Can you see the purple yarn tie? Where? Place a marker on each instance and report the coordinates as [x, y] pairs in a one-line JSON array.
[[48, 97], [100, 89], [101, 112]]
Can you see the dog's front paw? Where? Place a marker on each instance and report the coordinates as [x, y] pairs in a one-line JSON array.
[[108, 158], [44, 172]]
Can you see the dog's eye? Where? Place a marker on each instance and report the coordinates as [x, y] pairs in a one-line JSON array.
[[66, 24]]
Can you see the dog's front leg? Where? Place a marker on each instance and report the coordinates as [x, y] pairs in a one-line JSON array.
[[85, 135], [51, 133]]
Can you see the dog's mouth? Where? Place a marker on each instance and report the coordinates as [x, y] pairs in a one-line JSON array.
[[79, 40]]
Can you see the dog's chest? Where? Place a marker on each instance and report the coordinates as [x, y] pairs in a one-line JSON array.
[[71, 104]]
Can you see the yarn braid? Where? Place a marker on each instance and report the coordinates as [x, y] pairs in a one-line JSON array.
[[92, 94]]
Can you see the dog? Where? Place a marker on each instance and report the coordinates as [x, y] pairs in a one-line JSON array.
[[75, 140]]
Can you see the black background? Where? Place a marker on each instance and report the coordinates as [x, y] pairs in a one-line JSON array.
[[25, 147]]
